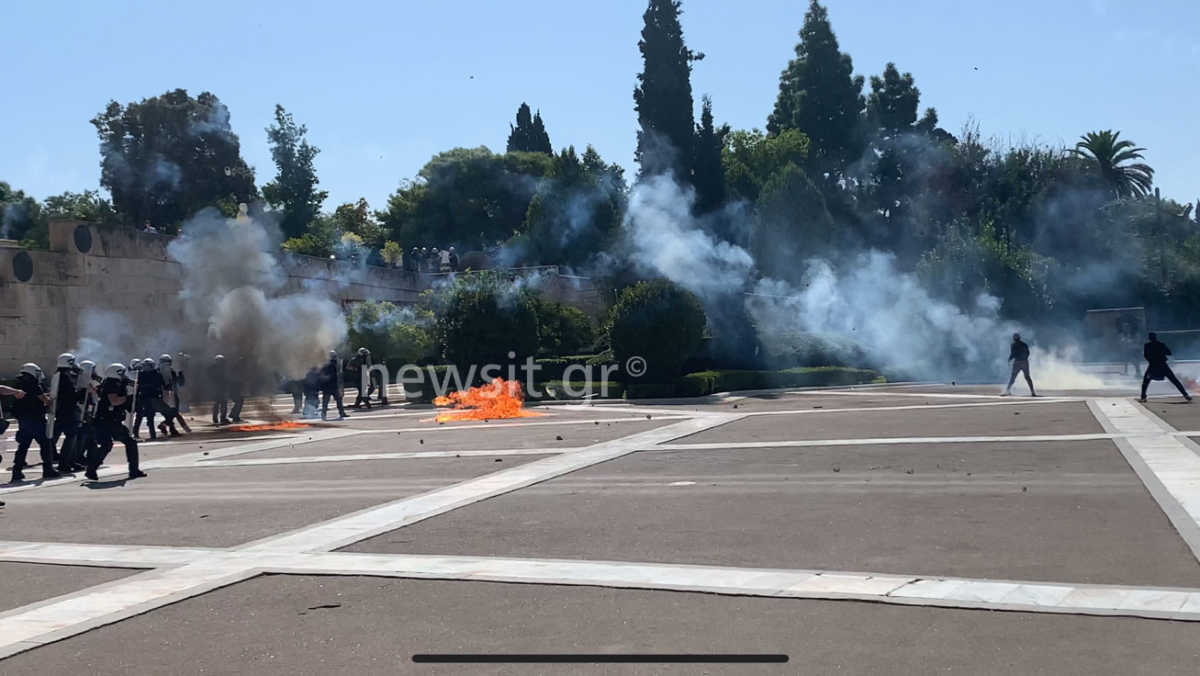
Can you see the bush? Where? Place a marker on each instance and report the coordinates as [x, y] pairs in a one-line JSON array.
[[707, 382], [555, 389], [563, 329], [554, 368], [392, 334], [481, 318], [659, 322]]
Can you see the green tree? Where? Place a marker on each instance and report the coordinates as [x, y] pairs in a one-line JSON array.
[[356, 218], [663, 96], [709, 174], [88, 206], [467, 197], [392, 253], [820, 96], [659, 322], [1111, 158], [576, 212], [529, 134], [792, 223], [892, 103], [21, 218], [481, 318], [294, 190], [750, 158], [166, 157]]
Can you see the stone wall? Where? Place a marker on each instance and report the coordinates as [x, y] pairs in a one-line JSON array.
[[43, 294]]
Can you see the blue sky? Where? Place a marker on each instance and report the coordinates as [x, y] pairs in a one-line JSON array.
[[384, 85]]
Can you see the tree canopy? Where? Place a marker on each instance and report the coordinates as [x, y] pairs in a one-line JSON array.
[[166, 157]]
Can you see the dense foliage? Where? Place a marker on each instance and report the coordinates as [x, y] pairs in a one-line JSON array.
[[845, 162], [659, 322]]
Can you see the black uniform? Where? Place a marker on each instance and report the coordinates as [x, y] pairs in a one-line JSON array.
[[66, 418], [228, 386], [1156, 354], [364, 375], [312, 391], [30, 413], [329, 388], [110, 427], [1018, 354]]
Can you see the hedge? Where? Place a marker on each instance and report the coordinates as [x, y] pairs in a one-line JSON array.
[[555, 389], [708, 382], [553, 368]]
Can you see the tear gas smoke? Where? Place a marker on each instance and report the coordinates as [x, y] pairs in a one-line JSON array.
[[864, 304], [231, 302]]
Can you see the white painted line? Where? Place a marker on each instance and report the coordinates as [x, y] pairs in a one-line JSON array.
[[878, 393], [29, 627], [1168, 468], [370, 522], [806, 443]]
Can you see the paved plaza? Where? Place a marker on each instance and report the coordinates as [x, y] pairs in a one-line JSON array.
[[891, 529]]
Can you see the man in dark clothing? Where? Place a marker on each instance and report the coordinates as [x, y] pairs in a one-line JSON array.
[[1156, 354], [220, 383], [312, 391], [362, 363], [30, 412], [1018, 354], [331, 376], [113, 405], [149, 388], [64, 403]]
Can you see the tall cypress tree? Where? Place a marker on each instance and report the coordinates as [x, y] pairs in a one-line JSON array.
[[663, 96], [529, 135], [820, 96], [708, 174]]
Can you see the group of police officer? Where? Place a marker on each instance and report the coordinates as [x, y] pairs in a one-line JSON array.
[[89, 411]]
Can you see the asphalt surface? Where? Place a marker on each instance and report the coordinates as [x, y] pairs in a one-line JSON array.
[[1048, 511], [223, 507], [454, 438], [22, 583], [1061, 510], [1065, 418], [321, 625]]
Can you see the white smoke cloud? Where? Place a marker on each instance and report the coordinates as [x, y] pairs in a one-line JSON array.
[[865, 303]]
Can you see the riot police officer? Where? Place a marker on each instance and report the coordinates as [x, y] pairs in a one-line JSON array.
[[331, 385], [63, 407], [30, 411], [114, 400]]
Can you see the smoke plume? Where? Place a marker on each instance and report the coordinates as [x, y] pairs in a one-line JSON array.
[[861, 306]]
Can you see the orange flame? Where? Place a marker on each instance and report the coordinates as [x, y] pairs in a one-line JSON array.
[[286, 425], [501, 399]]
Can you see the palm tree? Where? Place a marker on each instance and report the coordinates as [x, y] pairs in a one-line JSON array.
[[1110, 156]]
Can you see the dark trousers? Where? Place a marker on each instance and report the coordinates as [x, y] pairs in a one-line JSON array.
[[337, 396], [30, 430], [84, 448], [1021, 366], [221, 406], [144, 413], [1165, 372], [107, 432], [65, 428]]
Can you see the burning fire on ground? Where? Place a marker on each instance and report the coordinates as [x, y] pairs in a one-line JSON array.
[[285, 425], [500, 399]]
